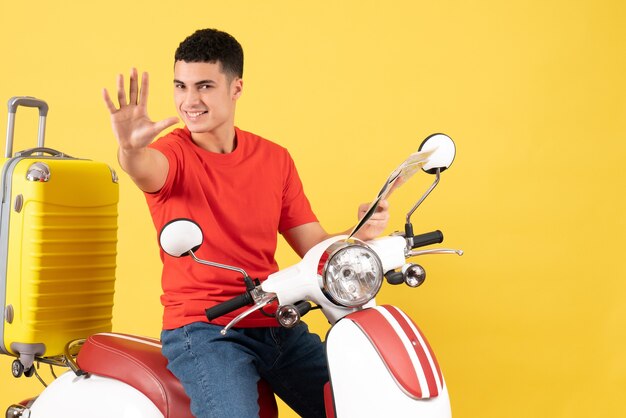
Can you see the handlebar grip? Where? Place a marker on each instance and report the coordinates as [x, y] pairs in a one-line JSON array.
[[303, 307], [229, 306], [434, 237]]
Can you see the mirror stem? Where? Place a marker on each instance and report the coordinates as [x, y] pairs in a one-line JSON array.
[[419, 202], [408, 227], [246, 278]]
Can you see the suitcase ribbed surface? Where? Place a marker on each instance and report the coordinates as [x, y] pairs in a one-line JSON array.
[[68, 279]]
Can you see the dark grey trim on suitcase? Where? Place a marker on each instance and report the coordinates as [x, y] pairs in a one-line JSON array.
[[13, 104], [5, 213], [7, 171]]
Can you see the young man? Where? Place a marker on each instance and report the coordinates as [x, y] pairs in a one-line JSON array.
[[241, 189]]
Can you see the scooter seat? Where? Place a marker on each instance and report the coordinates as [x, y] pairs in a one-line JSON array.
[[138, 362]]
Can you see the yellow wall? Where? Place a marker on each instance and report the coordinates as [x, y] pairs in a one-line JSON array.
[[532, 320]]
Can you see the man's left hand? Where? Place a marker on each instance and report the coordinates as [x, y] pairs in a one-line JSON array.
[[376, 224]]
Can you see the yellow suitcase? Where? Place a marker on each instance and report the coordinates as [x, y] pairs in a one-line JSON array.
[[58, 237]]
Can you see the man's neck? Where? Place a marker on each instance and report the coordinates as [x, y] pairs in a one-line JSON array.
[[219, 141]]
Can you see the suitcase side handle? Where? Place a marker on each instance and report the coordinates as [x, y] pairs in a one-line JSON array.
[[26, 101]]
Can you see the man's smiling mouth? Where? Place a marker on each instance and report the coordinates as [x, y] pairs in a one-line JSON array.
[[193, 115]]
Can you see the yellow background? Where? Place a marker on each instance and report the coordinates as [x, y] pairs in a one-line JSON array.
[[532, 320]]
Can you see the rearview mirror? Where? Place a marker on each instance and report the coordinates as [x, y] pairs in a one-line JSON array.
[[180, 236], [442, 155]]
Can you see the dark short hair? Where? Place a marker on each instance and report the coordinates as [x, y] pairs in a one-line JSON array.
[[212, 45]]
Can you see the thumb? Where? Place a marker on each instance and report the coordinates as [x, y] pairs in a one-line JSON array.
[[165, 123]]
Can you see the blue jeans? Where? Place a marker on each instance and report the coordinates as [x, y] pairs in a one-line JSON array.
[[220, 373]]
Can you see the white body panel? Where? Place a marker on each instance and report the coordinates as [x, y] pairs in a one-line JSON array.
[[71, 396], [301, 282], [362, 385], [390, 250]]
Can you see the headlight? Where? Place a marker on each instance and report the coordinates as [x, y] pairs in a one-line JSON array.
[[351, 273]]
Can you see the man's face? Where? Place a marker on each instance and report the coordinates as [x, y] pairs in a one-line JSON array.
[[204, 96]]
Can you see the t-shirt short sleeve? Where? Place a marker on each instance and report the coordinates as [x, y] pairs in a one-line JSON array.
[[172, 151], [296, 209]]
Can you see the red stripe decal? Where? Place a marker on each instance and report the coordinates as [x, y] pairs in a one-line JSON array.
[[432, 353], [419, 349], [390, 348]]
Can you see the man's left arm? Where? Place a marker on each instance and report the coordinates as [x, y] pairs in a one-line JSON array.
[[302, 237]]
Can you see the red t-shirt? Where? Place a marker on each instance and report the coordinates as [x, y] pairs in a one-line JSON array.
[[241, 200]]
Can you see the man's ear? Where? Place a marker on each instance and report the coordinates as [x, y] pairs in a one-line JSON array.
[[237, 88]]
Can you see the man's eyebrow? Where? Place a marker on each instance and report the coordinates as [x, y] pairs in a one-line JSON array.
[[197, 83]]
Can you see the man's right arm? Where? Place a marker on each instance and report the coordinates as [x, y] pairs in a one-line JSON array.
[[134, 131], [146, 166]]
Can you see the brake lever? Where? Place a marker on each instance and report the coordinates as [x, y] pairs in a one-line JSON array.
[[262, 301], [434, 251]]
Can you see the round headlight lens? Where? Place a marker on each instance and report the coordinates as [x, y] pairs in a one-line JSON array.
[[352, 275]]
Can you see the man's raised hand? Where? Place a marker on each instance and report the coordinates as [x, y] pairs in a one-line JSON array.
[[131, 124]]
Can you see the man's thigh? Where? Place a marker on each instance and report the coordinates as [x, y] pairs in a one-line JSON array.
[[299, 371], [218, 374]]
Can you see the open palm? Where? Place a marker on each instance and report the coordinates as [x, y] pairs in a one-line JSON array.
[[131, 124]]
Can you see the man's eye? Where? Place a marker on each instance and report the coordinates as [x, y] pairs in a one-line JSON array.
[[179, 86], [205, 86]]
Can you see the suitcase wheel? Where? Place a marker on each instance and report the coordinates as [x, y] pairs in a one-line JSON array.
[[30, 371], [17, 368]]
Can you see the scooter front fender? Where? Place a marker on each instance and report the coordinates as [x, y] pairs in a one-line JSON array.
[[380, 364]]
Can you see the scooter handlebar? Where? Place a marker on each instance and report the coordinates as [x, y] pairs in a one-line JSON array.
[[229, 306], [428, 238]]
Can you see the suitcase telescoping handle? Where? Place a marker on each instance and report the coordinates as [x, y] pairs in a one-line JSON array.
[[14, 103]]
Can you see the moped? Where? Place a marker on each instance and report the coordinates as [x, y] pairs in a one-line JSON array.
[[380, 363]]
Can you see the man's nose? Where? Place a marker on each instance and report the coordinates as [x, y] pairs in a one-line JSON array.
[[192, 97]]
